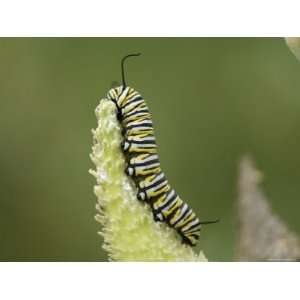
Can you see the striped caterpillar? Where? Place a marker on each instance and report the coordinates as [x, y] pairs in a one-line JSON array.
[[140, 149]]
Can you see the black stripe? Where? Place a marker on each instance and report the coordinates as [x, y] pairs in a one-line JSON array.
[[146, 111], [139, 120], [146, 163], [186, 240], [183, 216], [194, 232], [192, 227], [123, 93], [170, 216], [173, 206], [132, 101], [133, 97], [162, 208], [153, 185], [139, 125], [136, 133], [186, 216], [150, 169], [196, 236], [145, 147], [141, 142]]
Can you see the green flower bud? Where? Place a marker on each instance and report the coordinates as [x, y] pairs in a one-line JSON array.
[[128, 228]]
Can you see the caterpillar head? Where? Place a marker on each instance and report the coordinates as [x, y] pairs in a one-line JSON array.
[[119, 94]]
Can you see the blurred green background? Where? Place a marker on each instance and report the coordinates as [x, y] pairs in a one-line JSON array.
[[212, 100]]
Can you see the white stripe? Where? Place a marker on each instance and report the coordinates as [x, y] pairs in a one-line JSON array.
[[183, 210], [170, 195], [187, 227], [131, 106], [138, 122], [150, 157], [171, 204], [133, 96], [140, 114], [145, 168], [137, 129], [147, 138], [156, 178], [138, 159], [153, 165], [158, 206], [122, 95], [183, 221], [143, 145], [156, 188]]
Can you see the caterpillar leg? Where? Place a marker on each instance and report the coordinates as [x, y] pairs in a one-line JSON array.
[[125, 145], [130, 170], [141, 195], [158, 217]]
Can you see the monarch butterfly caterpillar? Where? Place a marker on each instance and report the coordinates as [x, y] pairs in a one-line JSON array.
[[143, 166]]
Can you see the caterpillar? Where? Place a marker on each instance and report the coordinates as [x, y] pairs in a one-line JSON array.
[[143, 165]]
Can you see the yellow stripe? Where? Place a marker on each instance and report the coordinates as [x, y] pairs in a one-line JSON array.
[[142, 134], [149, 180], [149, 171], [121, 100], [142, 150], [174, 206], [138, 158], [159, 202], [156, 193], [175, 217], [138, 105], [187, 222], [138, 132]]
